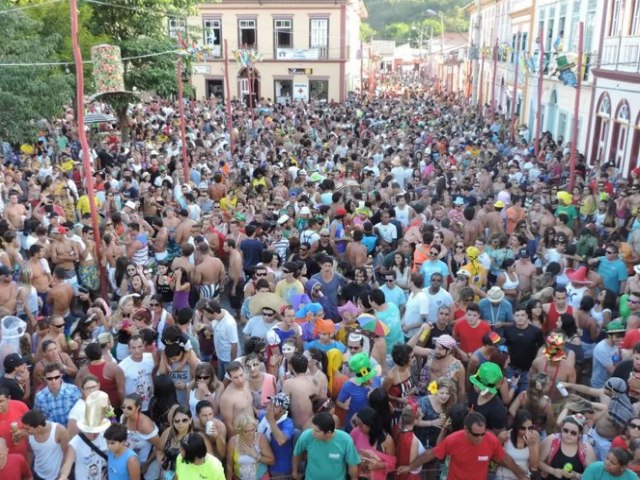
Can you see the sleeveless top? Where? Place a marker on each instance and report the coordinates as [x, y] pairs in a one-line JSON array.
[[510, 284], [31, 302], [183, 375], [246, 467], [48, 455], [118, 465], [107, 385], [139, 443], [519, 455], [552, 318]]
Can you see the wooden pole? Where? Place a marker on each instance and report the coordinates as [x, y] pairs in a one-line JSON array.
[[183, 128], [538, 134], [86, 153], [576, 109], [228, 95]]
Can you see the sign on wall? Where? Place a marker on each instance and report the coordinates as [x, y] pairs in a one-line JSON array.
[[297, 54]]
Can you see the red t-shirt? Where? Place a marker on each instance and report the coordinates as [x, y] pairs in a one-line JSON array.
[[13, 414], [16, 468], [630, 339], [469, 461], [470, 339]]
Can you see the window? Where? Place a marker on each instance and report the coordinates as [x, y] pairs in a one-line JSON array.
[[319, 90], [177, 25], [572, 36], [562, 124], [635, 19], [319, 36], [247, 33], [615, 18], [282, 34], [212, 32]]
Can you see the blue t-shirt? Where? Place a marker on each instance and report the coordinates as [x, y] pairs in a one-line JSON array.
[[602, 360], [391, 318], [282, 453], [596, 471], [430, 267], [327, 459], [492, 314], [394, 295], [612, 273], [359, 399]]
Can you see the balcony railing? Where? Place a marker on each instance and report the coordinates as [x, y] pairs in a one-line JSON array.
[[621, 54]]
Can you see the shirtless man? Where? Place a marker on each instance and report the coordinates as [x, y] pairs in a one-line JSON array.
[[299, 388], [183, 230], [60, 295], [558, 363], [356, 253], [160, 239], [15, 213], [183, 261], [209, 273], [64, 252], [492, 221], [8, 290], [40, 272], [236, 398], [525, 271]]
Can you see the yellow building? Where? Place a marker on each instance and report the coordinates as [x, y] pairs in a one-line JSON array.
[[305, 50]]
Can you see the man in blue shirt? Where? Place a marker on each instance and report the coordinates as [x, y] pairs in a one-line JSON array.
[[612, 269], [278, 428], [57, 398]]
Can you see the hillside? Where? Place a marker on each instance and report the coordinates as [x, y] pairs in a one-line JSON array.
[[387, 17]]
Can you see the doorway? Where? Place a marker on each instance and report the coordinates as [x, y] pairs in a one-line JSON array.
[[215, 89], [249, 85]]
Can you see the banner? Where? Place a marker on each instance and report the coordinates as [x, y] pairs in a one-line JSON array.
[[297, 54]]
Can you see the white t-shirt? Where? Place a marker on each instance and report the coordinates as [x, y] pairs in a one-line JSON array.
[[388, 232], [77, 412], [257, 327], [88, 464], [437, 300], [225, 333], [137, 378], [417, 305]]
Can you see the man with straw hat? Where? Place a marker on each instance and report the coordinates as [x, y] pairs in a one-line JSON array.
[[88, 449]]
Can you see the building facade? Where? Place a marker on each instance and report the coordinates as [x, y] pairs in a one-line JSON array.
[[297, 50], [614, 124]]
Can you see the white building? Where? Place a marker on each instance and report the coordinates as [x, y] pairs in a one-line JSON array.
[[616, 95]]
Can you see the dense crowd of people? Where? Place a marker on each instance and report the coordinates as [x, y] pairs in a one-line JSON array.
[[393, 287]]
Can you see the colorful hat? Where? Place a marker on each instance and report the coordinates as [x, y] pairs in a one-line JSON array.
[[458, 201], [360, 365], [615, 327], [554, 347], [487, 378], [492, 338], [96, 410], [473, 252], [324, 326], [499, 204], [578, 276], [348, 307], [445, 341], [281, 400], [565, 197]]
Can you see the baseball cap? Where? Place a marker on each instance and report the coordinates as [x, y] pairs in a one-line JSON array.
[[12, 361]]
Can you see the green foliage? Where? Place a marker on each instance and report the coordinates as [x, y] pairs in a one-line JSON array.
[[28, 94], [385, 16], [366, 32]]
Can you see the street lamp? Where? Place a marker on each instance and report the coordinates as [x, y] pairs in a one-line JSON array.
[[433, 13]]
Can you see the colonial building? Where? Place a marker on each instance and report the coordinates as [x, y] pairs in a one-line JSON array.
[[614, 121], [279, 50]]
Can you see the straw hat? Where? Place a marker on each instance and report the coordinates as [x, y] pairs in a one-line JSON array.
[[495, 294], [97, 406]]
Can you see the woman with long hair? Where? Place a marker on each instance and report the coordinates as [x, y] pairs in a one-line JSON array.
[[434, 409], [535, 312], [588, 325], [164, 401], [402, 271], [195, 462], [375, 446], [379, 401], [537, 403], [630, 433], [261, 384], [27, 298], [318, 368], [249, 453], [522, 444], [398, 381], [142, 434], [181, 426], [205, 386], [456, 258]]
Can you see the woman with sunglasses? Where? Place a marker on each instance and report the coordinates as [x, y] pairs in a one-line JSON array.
[[522, 444], [456, 258], [631, 433], [566, 451], [52, 354], [205, 386], [248, 452], [142, 434], [181, 426]]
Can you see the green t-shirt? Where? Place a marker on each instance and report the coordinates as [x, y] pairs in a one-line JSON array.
[[327, 459], [570, 211], [211, 469], [596, 471]]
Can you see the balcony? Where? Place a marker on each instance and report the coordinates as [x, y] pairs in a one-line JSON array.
[[621, 54]]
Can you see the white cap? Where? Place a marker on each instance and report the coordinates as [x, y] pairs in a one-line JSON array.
[[283, 219], [305, 210]]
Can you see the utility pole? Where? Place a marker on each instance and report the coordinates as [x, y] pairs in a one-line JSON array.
[[476, 61], [576, 109]]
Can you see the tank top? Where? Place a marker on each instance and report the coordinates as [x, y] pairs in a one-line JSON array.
[[30, 303], [183, 375], [552, 318], [118, 465], [402, 215], [519, 455], [559, 460], [48, 455], [510, 284], [107, 385]]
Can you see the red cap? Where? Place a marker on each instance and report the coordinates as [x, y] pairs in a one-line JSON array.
[[62, 230], [341, 212]]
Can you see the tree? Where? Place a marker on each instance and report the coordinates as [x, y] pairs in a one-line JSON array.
[[366, 32], [28, 94]]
